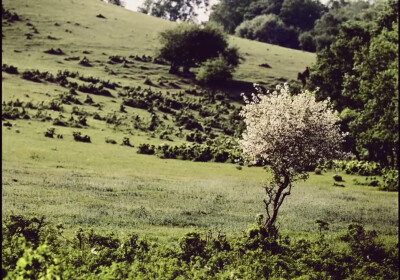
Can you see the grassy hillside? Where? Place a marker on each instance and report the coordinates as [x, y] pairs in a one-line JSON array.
[[122, 32], [110, 186]]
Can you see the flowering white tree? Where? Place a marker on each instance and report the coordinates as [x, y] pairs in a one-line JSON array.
[[289, 133]]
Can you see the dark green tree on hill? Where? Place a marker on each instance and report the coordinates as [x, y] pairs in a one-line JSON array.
[[301, 14], [230, 13], [175, 10], [269, 29], [189, 45]]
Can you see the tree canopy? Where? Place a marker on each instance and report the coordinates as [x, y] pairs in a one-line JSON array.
[[188, 45], [174, 10], [269, 29], [301, 14]]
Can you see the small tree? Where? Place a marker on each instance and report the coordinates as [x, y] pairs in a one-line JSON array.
[[289, 133]]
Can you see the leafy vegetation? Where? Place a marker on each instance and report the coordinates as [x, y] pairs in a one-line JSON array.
[[357, 72], [34, 249], [182, 10], [110, 84], [188, 45], [274, 21]]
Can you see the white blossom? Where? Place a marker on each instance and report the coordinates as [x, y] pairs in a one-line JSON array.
[[289, 132]]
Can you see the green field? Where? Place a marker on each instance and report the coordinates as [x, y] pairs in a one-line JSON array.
[[111, 187]]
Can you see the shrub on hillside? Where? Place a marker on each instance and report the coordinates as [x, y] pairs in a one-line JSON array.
[[50, 132], [85, 62], [9, 69], [78, 137], [12, 113], [8, 15], [93, 89], [37, 76], [54, 51], [110, 141], [214, 72], [146, 149]]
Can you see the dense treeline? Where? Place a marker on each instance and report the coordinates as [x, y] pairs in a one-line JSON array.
[[274, 21], [35, 249], [301, 24], [358, 72]]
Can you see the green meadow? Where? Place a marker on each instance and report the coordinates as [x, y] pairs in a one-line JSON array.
[[112, 188]]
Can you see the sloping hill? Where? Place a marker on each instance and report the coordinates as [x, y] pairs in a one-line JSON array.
[[76, 27]]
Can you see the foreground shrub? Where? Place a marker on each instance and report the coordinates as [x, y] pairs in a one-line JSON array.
[[34, 249]]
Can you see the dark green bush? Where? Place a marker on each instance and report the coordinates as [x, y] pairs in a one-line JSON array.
[[214, 72], [363, 168], [78, 137], [37, 76], [111, 141], [9, 69], [146, 149], [85, 62], [390, 180], [50, 132], [10, 112], [337, 178], [54, 51], [98, 90]]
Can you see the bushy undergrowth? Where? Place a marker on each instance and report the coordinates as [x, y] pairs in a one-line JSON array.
[[34, 249], [78, 137], [9, 69], [193, 152]]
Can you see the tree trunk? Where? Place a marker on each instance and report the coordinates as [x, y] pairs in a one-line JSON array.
[[276, 200]]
